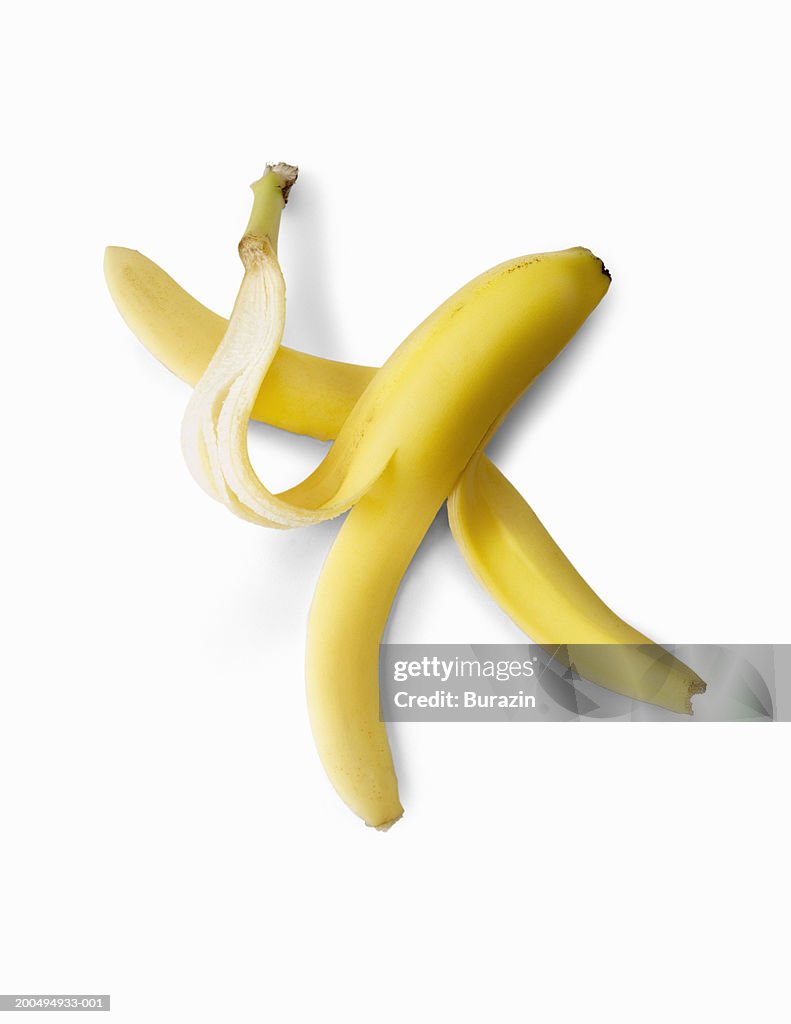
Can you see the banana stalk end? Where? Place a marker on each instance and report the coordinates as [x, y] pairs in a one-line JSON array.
[[270, 195]]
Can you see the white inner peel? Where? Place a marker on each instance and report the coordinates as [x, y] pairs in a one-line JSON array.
[[216, 421]]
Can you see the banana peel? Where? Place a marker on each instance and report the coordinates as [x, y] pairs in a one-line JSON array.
[[406, 438]]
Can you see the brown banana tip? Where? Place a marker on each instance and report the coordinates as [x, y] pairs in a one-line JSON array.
[[695, 687], [287, 173]]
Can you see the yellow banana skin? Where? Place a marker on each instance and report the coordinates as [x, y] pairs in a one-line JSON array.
[[430, 432], [515, 559], [303, 394], [433, 402], [504, 543]]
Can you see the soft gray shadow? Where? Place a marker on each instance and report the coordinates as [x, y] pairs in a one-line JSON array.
[[542, 390], [311, 323]]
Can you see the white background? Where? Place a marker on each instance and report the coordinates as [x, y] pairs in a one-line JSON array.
[[167, 833]]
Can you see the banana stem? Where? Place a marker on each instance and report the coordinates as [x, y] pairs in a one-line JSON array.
[[270, 195]]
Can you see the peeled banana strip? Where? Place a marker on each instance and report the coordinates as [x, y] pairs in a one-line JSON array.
[[304, 394], [215, 425], [513, 556], [434, 401]]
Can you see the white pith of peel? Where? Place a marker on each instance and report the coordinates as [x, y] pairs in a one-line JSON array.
[[216, 421]]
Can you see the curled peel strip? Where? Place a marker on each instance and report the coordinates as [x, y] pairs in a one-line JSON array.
[[215, 425]]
